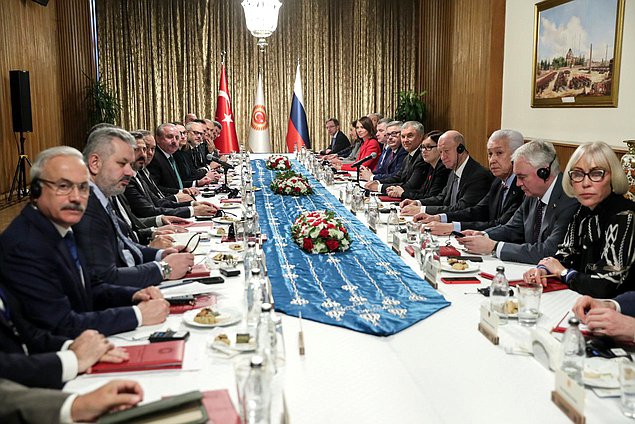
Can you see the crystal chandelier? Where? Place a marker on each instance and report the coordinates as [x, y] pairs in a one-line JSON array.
[[262, 18]]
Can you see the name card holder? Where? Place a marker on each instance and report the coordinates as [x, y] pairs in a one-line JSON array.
[[396, 244], [488, 326], [372, 227], [431, 273], [569, 396]]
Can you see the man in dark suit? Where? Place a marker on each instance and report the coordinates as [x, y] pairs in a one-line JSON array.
[[117, 259], [540, 223], [42, 264], [34, 357], [145, 203], [340, 145], [163, 168], [411, 174], [392, 157], [466, 186], [23, 405], [503, 198]]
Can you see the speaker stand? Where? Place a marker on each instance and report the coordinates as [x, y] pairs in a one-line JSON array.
[[19, 177]]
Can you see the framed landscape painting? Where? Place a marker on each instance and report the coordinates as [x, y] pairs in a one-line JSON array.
[[577, 50]]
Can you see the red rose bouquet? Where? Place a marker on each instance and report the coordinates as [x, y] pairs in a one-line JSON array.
[[291, 184], [278, 163], [320, 232]]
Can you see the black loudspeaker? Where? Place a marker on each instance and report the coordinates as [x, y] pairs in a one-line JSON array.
[[42, 2], [21, 101], [460, 148], [36, 188], [544, 173]]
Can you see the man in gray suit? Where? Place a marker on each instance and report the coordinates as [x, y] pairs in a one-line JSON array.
[[21, 404], [540, 223]]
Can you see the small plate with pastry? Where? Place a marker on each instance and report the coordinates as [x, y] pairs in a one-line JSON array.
[[239, 342], [211, 317], [458, 265]]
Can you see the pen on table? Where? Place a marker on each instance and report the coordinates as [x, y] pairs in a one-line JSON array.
[[301, 337], [546, 276], [193, 197]]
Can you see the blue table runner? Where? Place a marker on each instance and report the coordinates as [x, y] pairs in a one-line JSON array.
[[368, 288]]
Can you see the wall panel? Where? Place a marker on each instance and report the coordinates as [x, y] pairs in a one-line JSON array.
[[28, 41], [53, 43]]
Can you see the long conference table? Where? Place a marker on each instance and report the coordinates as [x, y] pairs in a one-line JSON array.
[[439, 370]]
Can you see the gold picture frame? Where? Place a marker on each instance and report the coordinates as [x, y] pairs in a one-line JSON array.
[[566, 72]]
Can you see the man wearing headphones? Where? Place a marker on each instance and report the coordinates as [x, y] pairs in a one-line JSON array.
[[467, 184], [540, 223], [42, 264]]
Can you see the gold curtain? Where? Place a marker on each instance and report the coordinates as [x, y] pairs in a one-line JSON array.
[[162, 58]]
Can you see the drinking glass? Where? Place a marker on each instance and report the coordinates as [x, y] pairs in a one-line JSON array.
[[627, 388], [529, 303]]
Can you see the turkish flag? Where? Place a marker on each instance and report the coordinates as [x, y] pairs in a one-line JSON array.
[[227, 141]]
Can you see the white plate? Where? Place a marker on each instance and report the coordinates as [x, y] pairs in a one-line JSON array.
[[224, 220], [238, 347], [214, 232], [237, 257], [227, 247], [601, 372], [471, 267], [226, 317], [230, 205]]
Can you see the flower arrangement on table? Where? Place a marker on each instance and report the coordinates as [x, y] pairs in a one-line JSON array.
[[291, 184], [320, 232], [278, 163]]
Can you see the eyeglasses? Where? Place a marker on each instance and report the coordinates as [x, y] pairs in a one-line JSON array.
[[595, 175], [65, 187], [394, 134], [428, 148]]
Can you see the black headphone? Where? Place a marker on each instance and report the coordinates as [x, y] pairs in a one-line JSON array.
[[460, 148], [36, 188], [544, 173]]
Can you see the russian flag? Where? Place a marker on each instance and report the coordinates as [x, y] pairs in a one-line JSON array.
[[298, 130]]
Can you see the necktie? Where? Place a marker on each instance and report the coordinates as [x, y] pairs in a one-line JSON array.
[[151, 183], [4, 306], [176, 171], [455, 190], [501, 200], [69, 239], [538, 221], [133, 255]]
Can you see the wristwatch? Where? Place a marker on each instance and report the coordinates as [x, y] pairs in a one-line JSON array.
[[166, 269], [563, 274]]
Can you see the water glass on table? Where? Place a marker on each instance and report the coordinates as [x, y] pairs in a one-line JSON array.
[[529, 303], [627, 388], [413, 232]]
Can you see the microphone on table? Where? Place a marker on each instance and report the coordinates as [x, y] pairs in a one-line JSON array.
[[220, 162], [366, 159]]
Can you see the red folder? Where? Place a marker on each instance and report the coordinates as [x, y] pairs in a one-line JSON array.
[[553, 284], [195, 224], [153, 356], [201, 301], [198, 271], [231, 200], [390, 199], [220, 408]]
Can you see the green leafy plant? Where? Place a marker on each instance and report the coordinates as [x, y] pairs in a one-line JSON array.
[[102, 104], [411, 107]]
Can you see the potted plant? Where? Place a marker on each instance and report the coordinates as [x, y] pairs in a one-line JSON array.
[[411, 107], [102, 104]]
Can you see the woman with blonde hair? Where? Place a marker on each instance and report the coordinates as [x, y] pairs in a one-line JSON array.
[[598, 251]]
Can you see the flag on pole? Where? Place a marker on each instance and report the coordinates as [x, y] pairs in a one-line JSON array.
[[227, 141], [298, 130], [259, 141]]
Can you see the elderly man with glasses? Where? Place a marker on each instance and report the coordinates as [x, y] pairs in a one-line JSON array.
[[41, 263]]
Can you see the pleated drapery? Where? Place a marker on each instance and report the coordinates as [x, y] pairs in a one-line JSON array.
[[162, 58]]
